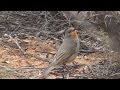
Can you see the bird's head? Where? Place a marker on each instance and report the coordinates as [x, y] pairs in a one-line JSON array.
[[71, 33]]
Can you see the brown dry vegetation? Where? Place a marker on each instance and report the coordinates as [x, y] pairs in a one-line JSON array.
[[41, 33]]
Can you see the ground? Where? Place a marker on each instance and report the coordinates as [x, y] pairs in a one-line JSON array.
[[15, 65], [40, 34]]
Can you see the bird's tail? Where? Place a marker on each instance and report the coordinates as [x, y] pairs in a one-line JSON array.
[[46, 71]]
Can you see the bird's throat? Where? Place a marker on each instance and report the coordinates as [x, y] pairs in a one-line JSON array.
[[74, 35]]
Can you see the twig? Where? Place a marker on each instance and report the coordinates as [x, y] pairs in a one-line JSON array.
[[90, 16], [49, 36], [105, 20], [16, 29], [48, 53], [46, 21], [12, 70], [68, 17], [113, 75], [25, 53], [54, 16], [88, 51]]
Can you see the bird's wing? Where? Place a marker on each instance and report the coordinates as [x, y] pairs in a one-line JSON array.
[[63, 56], [60, 57]]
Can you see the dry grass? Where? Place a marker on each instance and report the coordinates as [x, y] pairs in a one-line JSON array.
[[15, 61]]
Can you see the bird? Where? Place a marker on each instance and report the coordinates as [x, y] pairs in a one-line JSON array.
[[66, 53]]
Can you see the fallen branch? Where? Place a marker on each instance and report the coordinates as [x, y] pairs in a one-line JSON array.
[[48, 53], [113, 75], [88, 51], [25, 53]]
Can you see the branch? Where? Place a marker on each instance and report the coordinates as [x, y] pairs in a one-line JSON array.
[[113, 75], [88, 51], [25, 53]]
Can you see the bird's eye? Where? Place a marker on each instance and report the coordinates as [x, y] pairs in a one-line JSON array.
[[69, 31]]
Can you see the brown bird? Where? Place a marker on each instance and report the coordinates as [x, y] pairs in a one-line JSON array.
[[67, 51]]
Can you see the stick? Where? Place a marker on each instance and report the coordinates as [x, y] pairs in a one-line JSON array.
[[25, 53]]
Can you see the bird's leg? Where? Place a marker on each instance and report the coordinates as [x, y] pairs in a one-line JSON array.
[[65, 73], [63, 66]]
